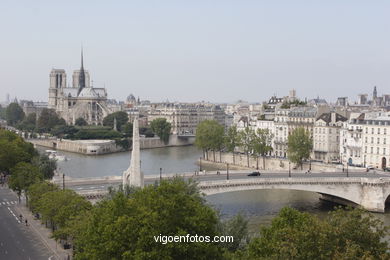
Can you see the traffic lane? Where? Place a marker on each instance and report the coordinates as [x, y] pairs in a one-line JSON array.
[[17, 241]]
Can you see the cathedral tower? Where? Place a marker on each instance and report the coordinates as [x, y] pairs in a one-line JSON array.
[[57, 82]]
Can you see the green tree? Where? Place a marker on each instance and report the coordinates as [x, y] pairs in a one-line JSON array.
[[125, 227], [23, 175], [246, 138], [344, 234], [48, 120], [14, 114], [3, 113], [262, 144], [238, 228], [28, 124], [46, 165], [121, 119], [64, 131], [127, 129], [59, 206], [13, 149], [36, 191], [232, 140], [146, 131], [209, 136], [162, 128], [299, 145], [80, 122]]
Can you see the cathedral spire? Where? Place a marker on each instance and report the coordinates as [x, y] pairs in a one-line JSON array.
[[82, 73]]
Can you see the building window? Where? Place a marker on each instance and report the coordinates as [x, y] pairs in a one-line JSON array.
[[379, 131], [366, 139], [378, 140], [366, 130], [377, 150], [384, 130], [365, 149], [372, 130], [372, 149], [384, 151], [372, 140], [384, 140]]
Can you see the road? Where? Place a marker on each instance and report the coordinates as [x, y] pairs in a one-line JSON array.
[[17, 241], [212, 176]]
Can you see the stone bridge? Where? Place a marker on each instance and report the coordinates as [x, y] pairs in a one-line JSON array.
[[369, 193]]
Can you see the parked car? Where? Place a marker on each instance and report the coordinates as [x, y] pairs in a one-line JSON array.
[[387, 169], [255, 173], [369, 167]]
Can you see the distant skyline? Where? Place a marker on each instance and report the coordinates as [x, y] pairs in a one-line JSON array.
[[217, 51]]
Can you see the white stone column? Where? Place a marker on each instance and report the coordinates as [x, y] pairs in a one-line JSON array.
[[133, 175]]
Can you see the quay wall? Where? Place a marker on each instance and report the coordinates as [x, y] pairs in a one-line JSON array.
[[270, 163], [98, 147]]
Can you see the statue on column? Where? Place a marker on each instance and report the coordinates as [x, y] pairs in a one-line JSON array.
[[133, 175]]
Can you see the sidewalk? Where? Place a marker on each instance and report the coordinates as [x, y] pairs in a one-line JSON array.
[[44, 233]]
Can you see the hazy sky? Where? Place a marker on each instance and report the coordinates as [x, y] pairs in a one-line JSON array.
[[218, 51]]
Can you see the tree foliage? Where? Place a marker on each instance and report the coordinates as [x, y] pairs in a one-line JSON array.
[[124, 227], [81, 122], [299, 145], [46, 165], [127, 129], [29, 123], [13, 149], [209, 135], [162, 128], [23, 175], [121, 119], [246, 138], [262, 143], [48, 120], [343, 234], [14, 114]]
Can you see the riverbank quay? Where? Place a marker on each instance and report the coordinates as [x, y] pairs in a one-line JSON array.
[[221, 159], [99, 147]]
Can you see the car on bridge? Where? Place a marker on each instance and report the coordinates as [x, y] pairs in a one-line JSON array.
[[255, 173]]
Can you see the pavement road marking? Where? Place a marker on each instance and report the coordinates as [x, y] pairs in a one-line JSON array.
[[17, 219]]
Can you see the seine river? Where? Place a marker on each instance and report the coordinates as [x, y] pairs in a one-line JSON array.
[[259, 206]]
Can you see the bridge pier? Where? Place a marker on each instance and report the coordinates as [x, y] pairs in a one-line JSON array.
[[373, 198]]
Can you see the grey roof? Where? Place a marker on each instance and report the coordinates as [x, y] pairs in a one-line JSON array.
[[327, 117]]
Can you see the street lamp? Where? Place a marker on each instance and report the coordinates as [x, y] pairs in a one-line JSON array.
[[160, 174], [227, 171], [200, 164], [63, 181], [289, 169], [347, 170]]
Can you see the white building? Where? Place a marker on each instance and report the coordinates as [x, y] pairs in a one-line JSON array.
[[326, 137], [351, 141]]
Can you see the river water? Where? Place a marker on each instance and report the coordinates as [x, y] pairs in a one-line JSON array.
[[259, 206]]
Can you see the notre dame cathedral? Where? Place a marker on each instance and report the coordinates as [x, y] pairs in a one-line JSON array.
[[80, 100]]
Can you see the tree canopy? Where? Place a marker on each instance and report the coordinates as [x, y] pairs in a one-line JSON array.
[[343, 234], [14, 114], [162, 128], [209, 135], [121, 119], [174, 207], [80, 122], [299, 145], [48, 120], [23, 175], [13, 149]]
